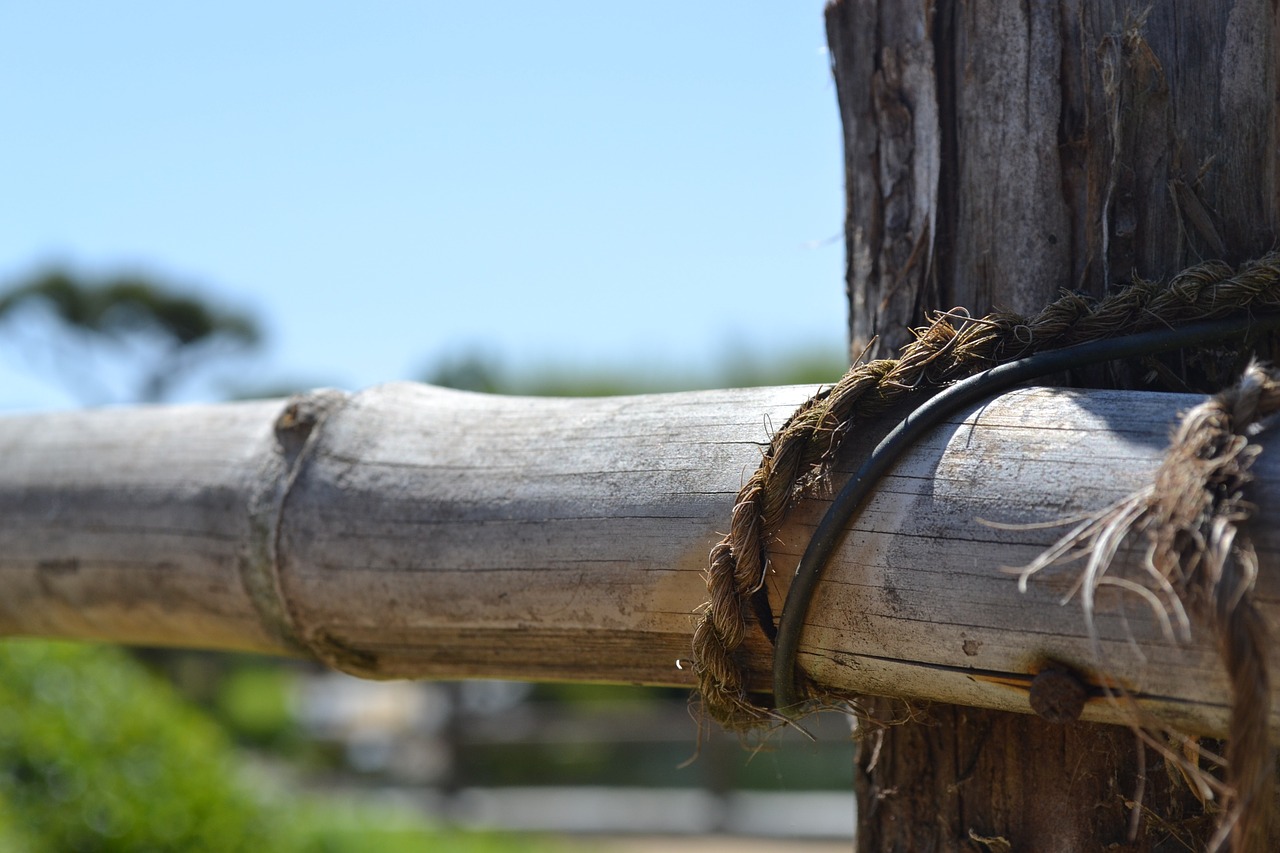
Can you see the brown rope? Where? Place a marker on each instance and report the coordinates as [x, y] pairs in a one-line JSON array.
[[1200, 561], [800, 453]]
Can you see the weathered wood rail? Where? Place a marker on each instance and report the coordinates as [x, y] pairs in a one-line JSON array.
[[411, 531]]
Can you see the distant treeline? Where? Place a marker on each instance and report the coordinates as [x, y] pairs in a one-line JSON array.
[[479, 371]]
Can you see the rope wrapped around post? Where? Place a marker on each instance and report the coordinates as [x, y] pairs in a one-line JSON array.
[[1199, 559], [1200, 566], [952, 347]]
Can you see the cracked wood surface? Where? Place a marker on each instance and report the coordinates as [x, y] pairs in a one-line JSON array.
[[410, 531], [997, 152]]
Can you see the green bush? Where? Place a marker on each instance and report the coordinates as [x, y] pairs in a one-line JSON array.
[[252, 702], [97, 754]]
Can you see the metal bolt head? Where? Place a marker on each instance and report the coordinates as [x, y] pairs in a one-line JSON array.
[[1058, 695]]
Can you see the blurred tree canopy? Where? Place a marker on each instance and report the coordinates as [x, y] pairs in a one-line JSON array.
[[162, 333], [98, 754], [485, 372]]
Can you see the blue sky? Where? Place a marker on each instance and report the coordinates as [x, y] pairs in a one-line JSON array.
[[385, 184]]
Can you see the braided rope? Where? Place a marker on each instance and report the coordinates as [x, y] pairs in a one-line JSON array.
[[801, 452]]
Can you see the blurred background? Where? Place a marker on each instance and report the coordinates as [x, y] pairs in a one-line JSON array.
[[209, 203]]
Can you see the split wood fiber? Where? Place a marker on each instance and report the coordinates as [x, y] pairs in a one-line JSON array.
[[410, 531]]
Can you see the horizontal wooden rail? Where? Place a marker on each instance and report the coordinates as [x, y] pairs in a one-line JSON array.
[[411, 531]]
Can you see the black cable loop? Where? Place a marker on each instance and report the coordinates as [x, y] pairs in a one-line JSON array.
[[844, 509]]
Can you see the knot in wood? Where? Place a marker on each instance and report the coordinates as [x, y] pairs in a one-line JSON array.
[[302, 413]]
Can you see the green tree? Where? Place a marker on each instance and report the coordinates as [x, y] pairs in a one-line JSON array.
[[485, 372], [156, 334]]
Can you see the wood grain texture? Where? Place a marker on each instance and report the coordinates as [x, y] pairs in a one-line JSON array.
[[419, 532], [1078, 143], [920, 556], [573, 531], [996, 153], [883, 59], [133, 525]]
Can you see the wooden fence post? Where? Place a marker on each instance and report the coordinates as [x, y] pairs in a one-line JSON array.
[[995, 154]]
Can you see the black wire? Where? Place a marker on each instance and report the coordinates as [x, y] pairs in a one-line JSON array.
[[933, 412]]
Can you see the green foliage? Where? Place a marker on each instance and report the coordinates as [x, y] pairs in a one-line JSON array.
[[471, 372], [355, 829], [478, 371], [179, 330], [97, 754], [15, 835], [124, 305], [253, 703]]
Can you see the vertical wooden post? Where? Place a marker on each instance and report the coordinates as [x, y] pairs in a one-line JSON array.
[[996, 153]]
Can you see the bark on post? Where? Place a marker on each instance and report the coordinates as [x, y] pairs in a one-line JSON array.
[[996, 153]]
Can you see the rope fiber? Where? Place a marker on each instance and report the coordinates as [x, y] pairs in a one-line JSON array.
[[1192, 515], [797, 460], [934, 412]]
